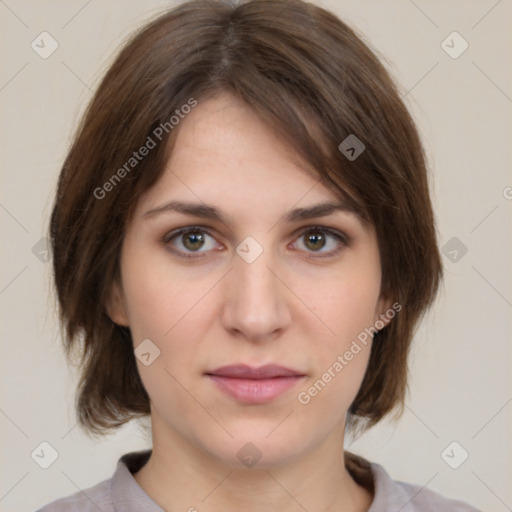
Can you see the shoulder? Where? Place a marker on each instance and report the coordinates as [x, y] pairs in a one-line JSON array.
[[410, 497], [392, 494], [92, 499], [119, 493]]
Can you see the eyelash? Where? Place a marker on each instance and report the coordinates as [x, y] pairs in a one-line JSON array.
[[340, 237]]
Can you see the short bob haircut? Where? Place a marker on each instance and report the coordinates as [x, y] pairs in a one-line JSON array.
[[314, 82]]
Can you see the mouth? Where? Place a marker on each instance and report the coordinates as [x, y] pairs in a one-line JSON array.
[[252, 385]]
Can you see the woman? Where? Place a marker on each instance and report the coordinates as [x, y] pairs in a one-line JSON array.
[[243, 245]]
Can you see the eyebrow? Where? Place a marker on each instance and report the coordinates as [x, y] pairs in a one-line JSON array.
[[206, 211]]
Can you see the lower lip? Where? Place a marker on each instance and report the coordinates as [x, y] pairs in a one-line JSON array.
[[255, 391]]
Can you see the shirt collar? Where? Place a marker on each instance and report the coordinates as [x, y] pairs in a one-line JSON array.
[[128, 496]]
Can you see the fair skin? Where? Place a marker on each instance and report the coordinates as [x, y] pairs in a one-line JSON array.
[[300, 304]]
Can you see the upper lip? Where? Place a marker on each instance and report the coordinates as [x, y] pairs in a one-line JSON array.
[[243, 371]]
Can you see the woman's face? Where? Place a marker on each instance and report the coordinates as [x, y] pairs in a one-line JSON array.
[[266, 285]]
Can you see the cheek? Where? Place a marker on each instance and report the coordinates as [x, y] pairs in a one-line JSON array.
[[160, 306], [174, 310], [348, 303], [347, 306], [159, 296], [339, 362], [354, 308]]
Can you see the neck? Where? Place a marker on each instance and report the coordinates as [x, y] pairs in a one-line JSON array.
[[179, 477]]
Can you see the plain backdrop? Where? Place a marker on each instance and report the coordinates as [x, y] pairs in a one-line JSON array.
[[460, 388]]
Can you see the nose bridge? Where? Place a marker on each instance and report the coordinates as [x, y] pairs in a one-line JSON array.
[[256, 302]]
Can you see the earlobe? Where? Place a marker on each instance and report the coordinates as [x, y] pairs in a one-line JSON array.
[[115, 306]]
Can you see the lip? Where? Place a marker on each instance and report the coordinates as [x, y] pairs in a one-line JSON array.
[[252, 385]]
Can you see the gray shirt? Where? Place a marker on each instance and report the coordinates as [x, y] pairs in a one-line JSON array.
[[122, 493]]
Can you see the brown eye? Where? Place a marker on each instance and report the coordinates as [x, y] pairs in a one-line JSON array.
[[323, 241], [190, 242], [315, 240], [193, 240]]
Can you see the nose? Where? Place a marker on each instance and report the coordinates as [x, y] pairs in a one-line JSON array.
[[256, 299]]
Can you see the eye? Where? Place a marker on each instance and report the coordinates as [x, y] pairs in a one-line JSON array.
[[186, 241], [195, 241], [322, 240]]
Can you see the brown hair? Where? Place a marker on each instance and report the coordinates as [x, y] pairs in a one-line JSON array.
[[308, 74]]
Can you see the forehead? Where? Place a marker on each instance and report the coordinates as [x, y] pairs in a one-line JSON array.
[[224, 146], [231, 136], [227, 165]]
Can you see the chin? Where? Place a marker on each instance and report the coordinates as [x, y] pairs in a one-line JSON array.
[[258, 450]]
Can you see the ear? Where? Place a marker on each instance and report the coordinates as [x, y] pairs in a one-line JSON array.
[[116, 305], [385, 312]]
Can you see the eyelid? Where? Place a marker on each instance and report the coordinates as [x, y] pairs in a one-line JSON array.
[[186, 229], [331, 231], [340, 236]]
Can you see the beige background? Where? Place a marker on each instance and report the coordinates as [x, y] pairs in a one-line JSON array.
[[460, 370]]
